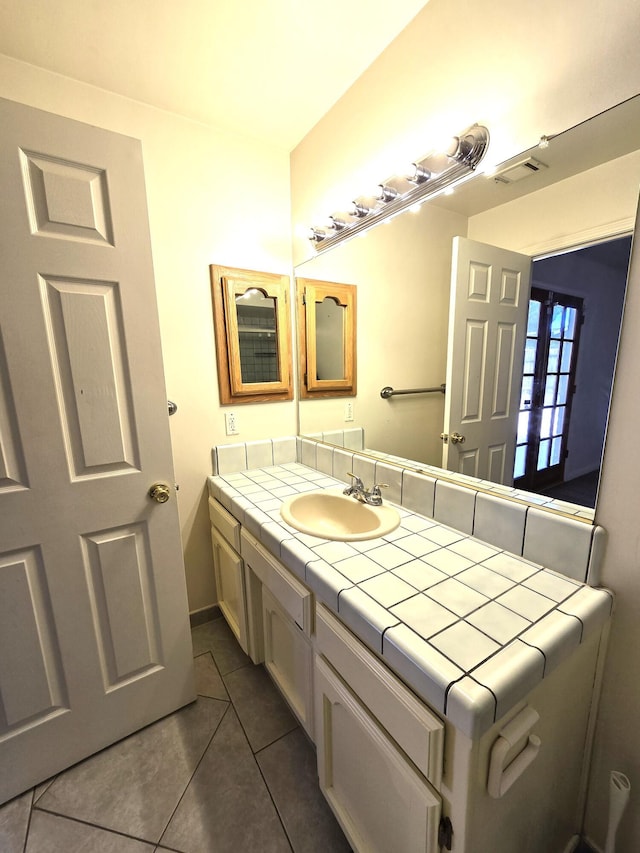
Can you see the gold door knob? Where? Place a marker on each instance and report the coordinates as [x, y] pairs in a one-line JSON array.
[[160, 492], [456, 438]]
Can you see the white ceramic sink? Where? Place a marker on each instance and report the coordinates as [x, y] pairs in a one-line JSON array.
[[329, 514]]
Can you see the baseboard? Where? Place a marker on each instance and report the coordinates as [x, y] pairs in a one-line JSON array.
[[205, 614]]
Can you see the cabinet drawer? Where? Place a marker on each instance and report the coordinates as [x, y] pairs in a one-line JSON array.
[[292, 595], [415, 728], [225, 523]]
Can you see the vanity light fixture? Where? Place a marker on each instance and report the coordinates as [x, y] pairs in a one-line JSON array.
[[429, 176]]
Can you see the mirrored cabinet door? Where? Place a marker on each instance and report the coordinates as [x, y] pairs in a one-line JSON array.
[[327, 338], [253, 335]]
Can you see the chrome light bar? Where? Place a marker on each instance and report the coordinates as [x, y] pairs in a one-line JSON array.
[[429, 176]]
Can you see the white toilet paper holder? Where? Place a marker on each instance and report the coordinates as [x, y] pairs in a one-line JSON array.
[[513, 751]]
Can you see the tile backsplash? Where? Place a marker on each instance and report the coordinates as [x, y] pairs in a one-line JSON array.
[[563, 543]]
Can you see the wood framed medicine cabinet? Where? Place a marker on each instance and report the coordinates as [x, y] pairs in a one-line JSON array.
[[252, 326], [326, 338]]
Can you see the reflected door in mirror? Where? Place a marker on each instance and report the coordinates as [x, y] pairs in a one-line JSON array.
[[487, 323]]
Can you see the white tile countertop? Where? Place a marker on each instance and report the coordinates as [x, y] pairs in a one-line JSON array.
[[470, 628]]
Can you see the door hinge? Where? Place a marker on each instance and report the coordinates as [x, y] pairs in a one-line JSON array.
[[445, 833]]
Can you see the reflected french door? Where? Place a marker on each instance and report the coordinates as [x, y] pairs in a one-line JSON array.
[[548, 385]]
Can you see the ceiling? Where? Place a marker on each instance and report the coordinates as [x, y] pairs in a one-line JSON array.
[[266, 68]]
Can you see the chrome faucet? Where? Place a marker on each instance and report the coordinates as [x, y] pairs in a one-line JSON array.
[[358, 491]]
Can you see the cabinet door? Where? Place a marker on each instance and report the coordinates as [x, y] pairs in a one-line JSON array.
[[229, 576], [382, 803], [288, 656]]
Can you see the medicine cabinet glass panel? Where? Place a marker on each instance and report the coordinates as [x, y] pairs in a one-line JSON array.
[[253, 335], [327, 338]]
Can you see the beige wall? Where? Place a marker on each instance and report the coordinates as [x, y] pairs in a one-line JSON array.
[[525, 69], [213, 197]]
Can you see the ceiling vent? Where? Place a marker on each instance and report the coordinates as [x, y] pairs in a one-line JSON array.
[[519, 171]]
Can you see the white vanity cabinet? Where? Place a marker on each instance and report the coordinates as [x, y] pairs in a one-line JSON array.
[[268, 609], [229, 570], [379, 748], [397, 773], [280, 608]]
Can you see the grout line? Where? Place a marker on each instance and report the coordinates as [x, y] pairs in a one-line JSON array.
[[96, 826], [26, 834], [281, 737], [244, 731], [271, 797], [195, 770], [524, 530], [254, 754]]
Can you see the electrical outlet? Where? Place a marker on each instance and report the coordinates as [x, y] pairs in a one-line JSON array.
[[348, 411], [231, 423]]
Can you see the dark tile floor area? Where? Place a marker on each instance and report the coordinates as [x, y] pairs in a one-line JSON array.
[[231, 772], [583, 490]]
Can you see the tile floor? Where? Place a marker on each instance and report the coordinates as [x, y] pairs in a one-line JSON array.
[[231, 772]]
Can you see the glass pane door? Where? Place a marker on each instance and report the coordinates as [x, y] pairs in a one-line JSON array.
[[548, 383]]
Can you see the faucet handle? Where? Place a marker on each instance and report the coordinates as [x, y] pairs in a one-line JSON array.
[[357, 486], [376, 497]]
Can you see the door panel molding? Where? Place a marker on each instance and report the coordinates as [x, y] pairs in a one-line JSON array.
[[66, 200]]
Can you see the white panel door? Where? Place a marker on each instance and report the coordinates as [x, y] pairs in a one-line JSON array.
[[487, 326], [94, 633]]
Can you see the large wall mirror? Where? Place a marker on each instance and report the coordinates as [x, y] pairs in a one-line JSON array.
[[571, 215]]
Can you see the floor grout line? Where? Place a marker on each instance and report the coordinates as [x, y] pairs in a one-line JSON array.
[[272, 798], [93, 825], [195, 770], [26, 835], [254, 754]]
